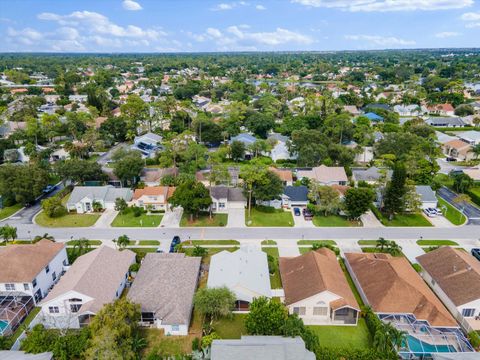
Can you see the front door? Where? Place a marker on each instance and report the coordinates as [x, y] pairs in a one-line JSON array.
[[88, 207]]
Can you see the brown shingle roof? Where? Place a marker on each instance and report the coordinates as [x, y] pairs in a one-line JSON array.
[[325, 174], [166, 191], [455, 271], [22, 263], [391, 285], [283, 174], [312, 273]]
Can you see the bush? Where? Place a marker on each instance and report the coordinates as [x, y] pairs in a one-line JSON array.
[[137, 211], [196, 345], [150, 161], [53, 207], [134, 267], [208, 339], [272, 264], [474, 339], [474, 197]]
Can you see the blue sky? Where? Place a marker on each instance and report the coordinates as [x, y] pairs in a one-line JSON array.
[[250, 25]]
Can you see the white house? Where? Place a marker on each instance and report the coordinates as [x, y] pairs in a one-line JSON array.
[[280, 149], [31, 269], [154, 197], [316, 289], [454, 275], [410, 110], [244, 272], [225, 198], [95, 279], [426, 196], [82, 198], [148, 144], [472, 137], [164, 288]]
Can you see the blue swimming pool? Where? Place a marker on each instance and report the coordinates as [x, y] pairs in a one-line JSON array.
[[3, 326], [418, 346]]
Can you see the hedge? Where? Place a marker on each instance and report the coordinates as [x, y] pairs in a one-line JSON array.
[[475, 197]]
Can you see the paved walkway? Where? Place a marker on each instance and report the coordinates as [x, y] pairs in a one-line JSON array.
[[106, 218], [370, 220], [411, 249], [171, 219], [347, 246], [236, 218]]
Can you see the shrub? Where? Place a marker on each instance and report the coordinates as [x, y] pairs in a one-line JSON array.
[[474, 339], [134, 267], [137, 211], [208, 339], [474, 197], [53, 207], [196, 345], [272, 264]]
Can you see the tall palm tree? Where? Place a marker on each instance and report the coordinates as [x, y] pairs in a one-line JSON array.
[[476, 151], [381, 243], [394, 249]]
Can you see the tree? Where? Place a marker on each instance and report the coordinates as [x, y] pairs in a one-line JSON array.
[[476, 150], [461, 182], [266, 317], [395, 192], [80, 247], [53, 207], [358, 201], [192, 196], [214, 303], [22, 183], [462, 199], [464, 110], [77, 170], [128, 167], [123, 241], [135, 110], [120, 205], [199, 251], [237, 150], [261, 184], [8, 233], [260, 124], [326, 198], [381, 243]]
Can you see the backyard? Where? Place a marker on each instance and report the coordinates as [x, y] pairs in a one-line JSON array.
[[204, 220], [130, 220], [231, 327], [269, 217], [69, 220], [355, 337], [334, 221]]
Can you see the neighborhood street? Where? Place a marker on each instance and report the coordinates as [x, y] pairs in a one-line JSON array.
[[470, 211]]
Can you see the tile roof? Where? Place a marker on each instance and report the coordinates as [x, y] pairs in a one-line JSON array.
[[455, 271], [283, 174], [391, 285], [165, 285], [165, 191], [324, 174], [22, 263], [312, 273]]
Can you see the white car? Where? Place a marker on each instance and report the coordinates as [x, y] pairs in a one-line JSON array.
[[430, 212]]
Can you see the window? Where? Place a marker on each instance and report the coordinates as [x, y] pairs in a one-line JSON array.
[[175, 327], [221, 205], [468, 312], [26, 287], [75, 307], [320, 311], [54, 276], [299, 310], [34, 282], [10, 287], [53, 309], [47, 269]]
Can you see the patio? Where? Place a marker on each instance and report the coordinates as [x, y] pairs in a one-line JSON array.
[[14, 307]]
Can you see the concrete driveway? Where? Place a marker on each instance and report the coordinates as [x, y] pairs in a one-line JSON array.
[[370, 220], [236, 218], [106, 218], [300, 220], [439, 221], [470, 211], [171, 219]]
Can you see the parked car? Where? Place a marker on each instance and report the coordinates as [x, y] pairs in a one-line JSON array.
[[430, 212], [49, 188], [439, 212], [174, 243], [476, 253], [159, 250], [307, 215], [296, 211]]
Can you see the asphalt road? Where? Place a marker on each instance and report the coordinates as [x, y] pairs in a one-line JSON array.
[[470, 211]]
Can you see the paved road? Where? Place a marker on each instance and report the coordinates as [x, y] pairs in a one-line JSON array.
[[446, 166], [471, 212]]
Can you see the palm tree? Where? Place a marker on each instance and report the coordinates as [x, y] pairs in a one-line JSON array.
[[381, 243], [81, 246], [397, 337], [476, 151], [8, 232], [138, 344], [37, 238], [394, 249]]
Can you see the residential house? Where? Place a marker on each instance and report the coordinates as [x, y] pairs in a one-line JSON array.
[[459, 150], [325, 175], [148, 144], [261, 347], [474, 173], [94, 280], [83, 198], [373, 117], [225, 198], [153, 176], [441, 109], [443, 138], [244, 272], [294, 196], [427, 196], [316, 289], [285, 175], [471, 137], [31, 269], [233, 178], [78, 98], [371, 175], [280, 149], [372, 107], [410, 110], [454, 275], [450, 122], [352, 110], [164, 288], [244, 138], [153, 197]]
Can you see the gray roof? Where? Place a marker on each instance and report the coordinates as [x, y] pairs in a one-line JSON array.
[[165, 285], [261, 347], [445, 121], [97, 193], [229, 193], [296, 193], [22, 355], [371, 174], [426, 193], [456, 356], [245, 138]]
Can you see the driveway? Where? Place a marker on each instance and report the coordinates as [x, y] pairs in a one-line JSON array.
[[411, 249], [236, 218], [171, 219], [440, 221], [446, 166], [370, 220], [106, 218], [470, 211], [300, 220]]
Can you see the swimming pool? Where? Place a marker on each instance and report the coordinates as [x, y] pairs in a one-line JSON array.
[[3, 326], [418, 346]]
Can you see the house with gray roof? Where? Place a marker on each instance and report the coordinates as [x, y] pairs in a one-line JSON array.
[[82, 198], [472, 137], [452, 122], [371, 175], [22, 355], [225, 198], [164, 288], [148, 144], [294, 196], [94, 280], [261, 347], [426, 196], [244, 138]]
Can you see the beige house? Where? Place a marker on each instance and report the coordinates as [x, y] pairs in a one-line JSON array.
[[325, 175], [153, 197], [458, 150]]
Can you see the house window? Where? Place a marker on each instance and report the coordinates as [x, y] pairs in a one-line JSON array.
[[47, 269], [221, 205], [468, 312], [26, 287], [299, 310], [320, 311], [75, 307], [34, 282], [10, 287], [54, 276], [175, 327], [53, 309]]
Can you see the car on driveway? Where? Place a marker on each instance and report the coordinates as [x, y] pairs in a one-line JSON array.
[[430, 212], [174, 243], [476, 253], [296, 211], [307, 215]]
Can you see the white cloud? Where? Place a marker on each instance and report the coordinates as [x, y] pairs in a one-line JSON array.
[[472, 19], [381, 41], [447, 34], [260, 7], [387, 5], [224, 6], [131, 5], [26, 36], [214, 32]]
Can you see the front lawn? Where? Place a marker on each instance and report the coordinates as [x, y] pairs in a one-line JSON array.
[[399, 220], [90, 242], [9, 211], [451, 213], [269, 217], [69, 220], [311, 242], [130, 220], [204, 220], [149, 242], [334, 221], [354, 337], [213, 242], [231, 328], [275, 280], [436, 243]]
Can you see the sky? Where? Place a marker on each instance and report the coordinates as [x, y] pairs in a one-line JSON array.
[[250, 25]]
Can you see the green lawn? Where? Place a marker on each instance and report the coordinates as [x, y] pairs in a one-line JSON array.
[[334, 221], [436, 243], [211, 252], [355, 337], [9, 211], [268, 218], [367, 242], [214, 242], [167, 346], [204, 220], [475, 190], [69, 220], [269, 242], [410, 220], [311, 242], [275, 280], [129, 220], [351, 283], [451, 213], [90, 242], [149, 242], [444, 179], [231, 328]]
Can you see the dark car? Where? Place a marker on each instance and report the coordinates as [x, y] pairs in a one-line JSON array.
[[296, 211], [307, 214], [49, 189], [476, 253], [174, 243]]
